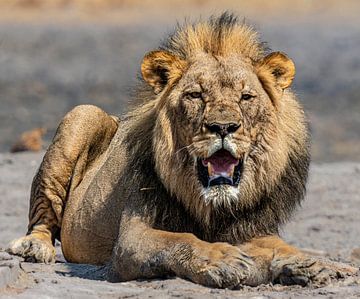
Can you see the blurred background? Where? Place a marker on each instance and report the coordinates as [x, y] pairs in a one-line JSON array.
[[55, 54]]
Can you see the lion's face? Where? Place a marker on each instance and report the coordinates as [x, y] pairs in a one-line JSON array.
[[221, 110], [220, 103]]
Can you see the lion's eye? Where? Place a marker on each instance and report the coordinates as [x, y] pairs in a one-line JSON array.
[[194, 95], [247, 96]]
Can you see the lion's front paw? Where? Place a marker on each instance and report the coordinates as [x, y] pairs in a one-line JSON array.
[[33, 249], [309, 270], [220, 265]]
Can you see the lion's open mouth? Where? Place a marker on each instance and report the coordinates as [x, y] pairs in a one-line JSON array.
[[220, 168]]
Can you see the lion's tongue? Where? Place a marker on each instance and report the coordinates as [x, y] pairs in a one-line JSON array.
[[222, 163]]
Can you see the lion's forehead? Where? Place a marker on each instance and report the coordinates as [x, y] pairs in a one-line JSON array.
[[212, 72]]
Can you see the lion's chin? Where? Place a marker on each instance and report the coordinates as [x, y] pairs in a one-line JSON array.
[[221, 195]]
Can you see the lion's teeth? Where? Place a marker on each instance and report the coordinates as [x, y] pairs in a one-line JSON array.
[[211, 170], [231, 171]]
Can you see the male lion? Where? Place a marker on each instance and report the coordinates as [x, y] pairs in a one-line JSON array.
[[194, 181]]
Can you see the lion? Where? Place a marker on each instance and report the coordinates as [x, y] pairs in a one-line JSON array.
[[195, 181]]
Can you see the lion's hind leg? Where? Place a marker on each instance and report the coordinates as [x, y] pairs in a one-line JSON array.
[[83, 135]]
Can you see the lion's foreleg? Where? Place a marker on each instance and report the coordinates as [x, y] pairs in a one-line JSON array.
[[84, 133], [280, 262], [144, 252]]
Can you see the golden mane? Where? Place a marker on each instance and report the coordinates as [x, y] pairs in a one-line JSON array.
[[221, 36]]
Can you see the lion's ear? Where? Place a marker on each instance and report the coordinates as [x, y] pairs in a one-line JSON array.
[[281, 67], [160, 67]]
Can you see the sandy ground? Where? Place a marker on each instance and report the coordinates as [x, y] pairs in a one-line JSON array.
[[327, 224]]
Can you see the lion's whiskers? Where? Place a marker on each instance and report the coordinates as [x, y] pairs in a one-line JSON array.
[[183, 148]]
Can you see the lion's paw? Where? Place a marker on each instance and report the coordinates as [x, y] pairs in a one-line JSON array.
[[309, 271], [221, 265], [33, 249]]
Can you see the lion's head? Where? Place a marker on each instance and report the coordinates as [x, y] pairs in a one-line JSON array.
[[228, 134]]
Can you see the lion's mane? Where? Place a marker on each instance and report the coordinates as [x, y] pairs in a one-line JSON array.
[[277, 184]]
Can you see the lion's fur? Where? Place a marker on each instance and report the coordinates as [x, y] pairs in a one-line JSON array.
[[277, 168]]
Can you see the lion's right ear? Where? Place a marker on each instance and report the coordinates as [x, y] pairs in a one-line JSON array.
[[160, 68]]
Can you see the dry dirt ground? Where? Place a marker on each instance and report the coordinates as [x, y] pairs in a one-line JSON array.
[[327, 224]]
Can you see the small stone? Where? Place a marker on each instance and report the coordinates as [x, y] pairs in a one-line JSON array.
[[29, 141]]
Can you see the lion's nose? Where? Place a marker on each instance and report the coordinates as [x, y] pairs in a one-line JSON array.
[[222, 129]]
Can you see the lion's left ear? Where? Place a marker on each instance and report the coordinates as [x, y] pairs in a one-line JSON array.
[[160, 68], [281, 67]]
